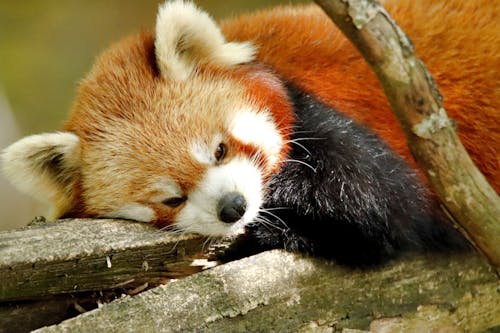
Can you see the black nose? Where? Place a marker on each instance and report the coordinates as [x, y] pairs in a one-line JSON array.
[[231, 207]]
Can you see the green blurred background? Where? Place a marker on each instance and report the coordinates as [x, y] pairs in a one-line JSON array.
[[46, 47]]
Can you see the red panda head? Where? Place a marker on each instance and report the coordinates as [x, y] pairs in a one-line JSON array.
[[180, 128]]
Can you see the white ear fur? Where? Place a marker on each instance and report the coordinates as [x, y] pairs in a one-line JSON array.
[[187, 36], [44, 166]]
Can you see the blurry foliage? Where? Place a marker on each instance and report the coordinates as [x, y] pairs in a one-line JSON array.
[[47, 46]]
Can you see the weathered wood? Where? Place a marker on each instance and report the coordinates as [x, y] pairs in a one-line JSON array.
[[25, 316], [281, 292], [85, 255], [476, 312], [417, 104]]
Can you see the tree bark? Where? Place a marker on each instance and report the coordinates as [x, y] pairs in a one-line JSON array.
[[282, 292], [276, 291], [88, 255], [416, 102]]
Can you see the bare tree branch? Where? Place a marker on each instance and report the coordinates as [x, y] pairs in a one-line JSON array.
[[416, 102]]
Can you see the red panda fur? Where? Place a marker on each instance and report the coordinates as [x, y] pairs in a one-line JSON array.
[[457, 40], [134, 86], [190, 129]]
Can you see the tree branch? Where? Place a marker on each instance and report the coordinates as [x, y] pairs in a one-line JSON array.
[[416, 102]]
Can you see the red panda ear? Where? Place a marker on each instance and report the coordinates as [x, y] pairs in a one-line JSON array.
[[187, 36], [45, 166]]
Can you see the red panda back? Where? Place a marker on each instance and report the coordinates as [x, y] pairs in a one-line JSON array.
[[458, 41]]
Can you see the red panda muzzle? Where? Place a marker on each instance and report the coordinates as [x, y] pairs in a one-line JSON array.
[[231, 207]]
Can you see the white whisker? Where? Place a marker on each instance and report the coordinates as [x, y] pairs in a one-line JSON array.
[[209, 241], [268, 224], [306, 138], [273, 215], [300, 145], [276, 217], [302, 162], [170, 229], [300, 132], [172, 250]]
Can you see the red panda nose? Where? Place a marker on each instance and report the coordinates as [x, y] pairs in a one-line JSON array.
[[231, 207]]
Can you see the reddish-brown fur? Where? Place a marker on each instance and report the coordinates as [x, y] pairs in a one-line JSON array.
[[458, 41], [125, 89], [123, 84]]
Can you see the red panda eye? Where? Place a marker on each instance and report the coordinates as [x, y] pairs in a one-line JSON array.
[[174, 202], [220, 152]]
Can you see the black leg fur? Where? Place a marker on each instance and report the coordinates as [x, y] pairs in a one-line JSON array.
[[345, 195]]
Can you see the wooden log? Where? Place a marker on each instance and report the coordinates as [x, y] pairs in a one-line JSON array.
[[87, 255], [281, 292]]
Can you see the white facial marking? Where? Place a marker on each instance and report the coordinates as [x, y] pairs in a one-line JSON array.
[[258, 128], [133, 211], [168, 188], [200, 153], [200, 211], [204, 153]]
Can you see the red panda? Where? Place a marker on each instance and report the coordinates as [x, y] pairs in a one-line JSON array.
[[270, 123]]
